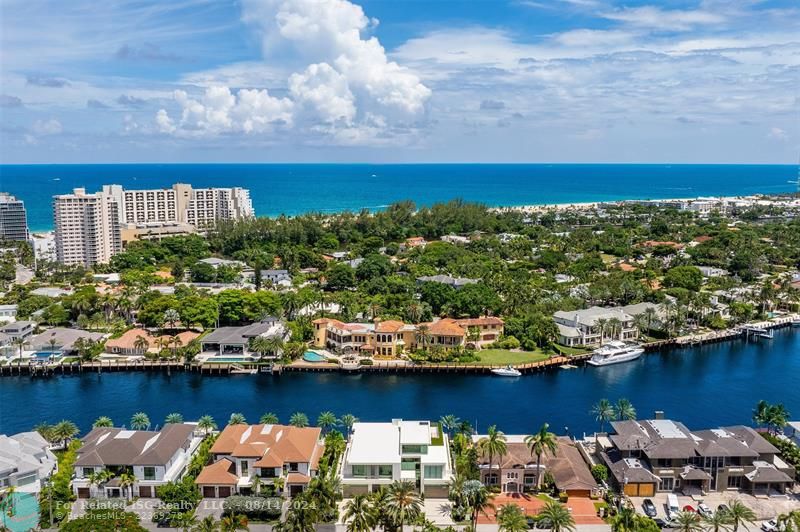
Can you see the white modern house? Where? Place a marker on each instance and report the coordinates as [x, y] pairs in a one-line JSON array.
[[236, 341], [378, 454], [154, 458], [25, 460]]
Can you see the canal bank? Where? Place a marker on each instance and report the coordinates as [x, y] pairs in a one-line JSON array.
[[702, 385]]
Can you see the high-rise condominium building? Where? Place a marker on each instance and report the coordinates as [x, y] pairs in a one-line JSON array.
[[132, 210], [200, 207], [87, 227], [13, 220]]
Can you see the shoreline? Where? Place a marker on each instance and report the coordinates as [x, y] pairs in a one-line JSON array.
[[530, 208]]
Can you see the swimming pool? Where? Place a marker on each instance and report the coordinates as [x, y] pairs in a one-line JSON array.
[[24, 513], [229, 359], [45, 355], [311, 356]]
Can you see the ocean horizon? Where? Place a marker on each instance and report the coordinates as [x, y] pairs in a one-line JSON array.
[[297, 188]]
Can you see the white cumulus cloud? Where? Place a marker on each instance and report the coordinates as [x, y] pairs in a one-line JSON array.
[[47, 127], [342, 78]]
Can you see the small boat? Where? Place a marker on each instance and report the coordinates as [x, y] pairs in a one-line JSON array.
[[507, 371], [615, 352], [796, 321]]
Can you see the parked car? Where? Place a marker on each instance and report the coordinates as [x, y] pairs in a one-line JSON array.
[[723, 508], [704, 510], [649, 508], [689, 508], [661, 523], [770, 526]]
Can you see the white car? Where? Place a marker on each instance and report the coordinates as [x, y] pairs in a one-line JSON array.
[[704, 510], [770, 526]]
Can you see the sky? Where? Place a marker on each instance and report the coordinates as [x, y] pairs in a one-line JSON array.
[[683, 81]]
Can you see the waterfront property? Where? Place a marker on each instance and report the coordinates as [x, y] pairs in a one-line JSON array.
[[646, 456], [8, 313], [18, 329], [582, 328], [237, 341], [13, 218], [153, 458], [139, 342], [392, 338], [25, 460], [516, 471], [378, 454], [244, 453], [60, 341]]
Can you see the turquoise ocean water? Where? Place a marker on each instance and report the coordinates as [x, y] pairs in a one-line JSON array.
[[298, 188]]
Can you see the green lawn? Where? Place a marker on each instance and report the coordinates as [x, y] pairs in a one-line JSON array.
[[494, 357], [570, 351]]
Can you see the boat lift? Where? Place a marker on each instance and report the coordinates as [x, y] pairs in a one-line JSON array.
[[757, 332]]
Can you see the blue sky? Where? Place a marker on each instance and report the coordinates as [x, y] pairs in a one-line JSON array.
[[400, 81]]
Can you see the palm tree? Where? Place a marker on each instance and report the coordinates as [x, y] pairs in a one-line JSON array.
[[449, 423], [173, 418], [232, 523], [298, 419], [601, 324], [625, 520], [423, 335], [141, 345], [740, 515], [260, 345], [326, 421], [777, 417], [478, 499], [614, 327], [558, 516], [540, 443], [98, 478], [171, 318], [140, 421], [65, 430], [126, 482], [718, 522], [603, 413], [359, 514], [789, 522], [269, 418], [403, 504], [687, 522], [208, 524], [176, 343], [102, 421], [624, 410], [206, 423], [511, 518], [491, 445], [237, 418], [760, 413], [348, 420], [20, 344]]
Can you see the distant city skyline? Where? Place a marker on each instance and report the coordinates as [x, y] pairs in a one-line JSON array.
[[684, 81]]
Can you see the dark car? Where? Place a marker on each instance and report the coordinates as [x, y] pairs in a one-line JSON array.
[[649, 508], [723, 508], [531, 522], [661, 523]]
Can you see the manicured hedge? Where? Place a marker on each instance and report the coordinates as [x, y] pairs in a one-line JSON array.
[[263, 508]]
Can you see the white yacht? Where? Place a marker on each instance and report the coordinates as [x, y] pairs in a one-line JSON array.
[[796, 321], [615, 352], [507, 371]]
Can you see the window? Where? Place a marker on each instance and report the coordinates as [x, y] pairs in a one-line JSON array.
[[433, 471], [529, 480], [666, 484], [385, 471], [87, 471], [245, 466], [294, 467], [415, 449], [149, 473], [735, 482], [409, 465], [359, 470]]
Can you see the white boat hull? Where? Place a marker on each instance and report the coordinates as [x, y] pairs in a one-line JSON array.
[[615, 359], [507, 372]]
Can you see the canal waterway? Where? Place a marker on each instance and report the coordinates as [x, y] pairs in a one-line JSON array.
[[702, 386]]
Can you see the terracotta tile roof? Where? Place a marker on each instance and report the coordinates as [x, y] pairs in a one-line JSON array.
[[128, 339], [703, 238], [297, 478], [485, 320], [654, 243], [288, 444], [220, 472], [625, 267], [389, 326], [446, 327]]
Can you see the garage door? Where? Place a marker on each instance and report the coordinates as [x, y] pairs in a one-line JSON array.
[[436, 492], [224, 491], [647, 490], [83, 493], [145, 491], [209, 492]]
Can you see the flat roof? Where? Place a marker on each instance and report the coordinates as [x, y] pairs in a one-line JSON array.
[[374, 443]]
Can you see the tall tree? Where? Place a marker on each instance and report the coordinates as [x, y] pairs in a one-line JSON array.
[[540, 443]]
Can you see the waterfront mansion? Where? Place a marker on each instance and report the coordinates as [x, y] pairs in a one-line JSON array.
[[378, 454], [392, 338], [645, 456]]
